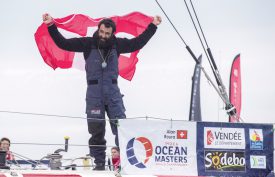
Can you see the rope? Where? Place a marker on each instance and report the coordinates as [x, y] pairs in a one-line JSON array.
[[58, 144], [77, 117]]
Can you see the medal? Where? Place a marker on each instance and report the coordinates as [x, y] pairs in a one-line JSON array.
[[104, 64]]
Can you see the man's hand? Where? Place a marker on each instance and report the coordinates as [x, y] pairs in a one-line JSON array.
[[157, 20], [47, 19]]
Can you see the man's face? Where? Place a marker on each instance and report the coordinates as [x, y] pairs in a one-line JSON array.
[[104, 33], [5, 145]]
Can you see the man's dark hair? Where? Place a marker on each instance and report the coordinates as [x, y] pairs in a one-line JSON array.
[[5, 139], [108, 23]]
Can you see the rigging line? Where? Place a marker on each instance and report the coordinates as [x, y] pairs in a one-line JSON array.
[[229, 107], [25, 158], [222, 90], [211, 83], [29, 161], [52, 144], [60, 116], [211, 65], [171, 23], [199, 23], [197, 31], [14, 153], [98, 119], [41, 114], [186, 46], [216, 71], [10, 162], [74, 117]]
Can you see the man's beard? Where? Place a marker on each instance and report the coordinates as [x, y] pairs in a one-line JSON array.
[[103, 42]]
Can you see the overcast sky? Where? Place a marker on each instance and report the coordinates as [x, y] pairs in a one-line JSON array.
[[161, 86]]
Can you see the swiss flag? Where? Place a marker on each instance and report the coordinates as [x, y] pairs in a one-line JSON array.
[[134, 24], [181, 134]]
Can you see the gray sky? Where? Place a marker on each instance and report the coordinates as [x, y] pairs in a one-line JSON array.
[[162, 84]]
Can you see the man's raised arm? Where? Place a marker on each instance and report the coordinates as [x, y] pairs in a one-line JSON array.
[[73, 44], [130, 45]]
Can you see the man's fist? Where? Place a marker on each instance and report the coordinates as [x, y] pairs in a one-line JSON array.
[[157, 20], [47, 19]]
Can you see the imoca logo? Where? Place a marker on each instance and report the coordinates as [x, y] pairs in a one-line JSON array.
[[131, 153]]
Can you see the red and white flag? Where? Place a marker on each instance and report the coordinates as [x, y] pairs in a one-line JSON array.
[[235, 88], [134, 24], [181, 134]]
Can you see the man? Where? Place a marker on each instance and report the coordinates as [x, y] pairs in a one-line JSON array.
[[101, 54], [5, 146]]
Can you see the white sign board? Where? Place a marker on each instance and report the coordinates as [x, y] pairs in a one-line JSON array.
[[158, 147]]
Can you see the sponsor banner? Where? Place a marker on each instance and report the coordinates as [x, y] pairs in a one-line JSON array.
[[258, 162], [256, 139], [235, 88], [195, 103], [226, 161], [154, 147], [249, 150], [224, 138]]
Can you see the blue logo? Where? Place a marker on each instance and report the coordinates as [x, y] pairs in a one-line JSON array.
[[131, 156]]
